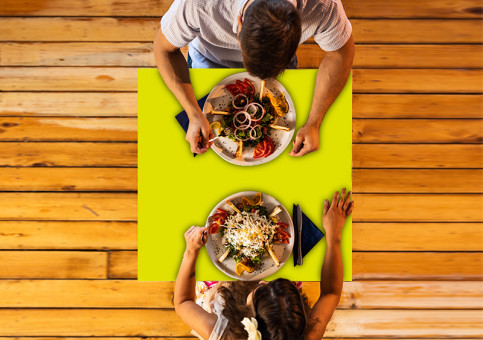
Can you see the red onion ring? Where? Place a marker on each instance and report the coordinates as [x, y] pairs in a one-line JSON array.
[[254, 128], [244, 124], [252, 114], [235, 98]]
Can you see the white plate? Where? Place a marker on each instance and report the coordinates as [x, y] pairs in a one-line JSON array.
[[266, 267], [219, 98]]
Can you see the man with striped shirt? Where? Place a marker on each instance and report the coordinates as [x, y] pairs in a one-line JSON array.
[[261, 36]]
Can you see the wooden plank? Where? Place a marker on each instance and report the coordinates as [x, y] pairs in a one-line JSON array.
[[125, 179], [136, 29], [412, 9], [68, 129], [417, 181], [395, 131], [121, 264], [309, 55], [123, 207], [68, 179], [418, 208], [39, 154], [69, 206], [135, 294], [77, 54], [397, 56], [142, 322], [67, 235], [125, 79], [365, 266], [52, 265], [417, 106], [417, 81], [68, 104], [115, 235], [79, 29], [353, 8], [392, 131], [416, 266], [125, 104], [430, 236], [417, 156], [68, 79], [413, 31]]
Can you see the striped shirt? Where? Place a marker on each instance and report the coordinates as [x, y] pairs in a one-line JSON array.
[[210, 28]]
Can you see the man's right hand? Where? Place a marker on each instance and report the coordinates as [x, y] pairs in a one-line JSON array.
[[199, 133], [335, 214]]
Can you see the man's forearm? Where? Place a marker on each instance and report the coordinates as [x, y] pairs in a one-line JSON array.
[[331, 79], [332, 273], [186, 279], [174, 70]]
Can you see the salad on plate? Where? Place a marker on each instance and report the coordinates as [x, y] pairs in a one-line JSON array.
[[249, 118], [248, 231]]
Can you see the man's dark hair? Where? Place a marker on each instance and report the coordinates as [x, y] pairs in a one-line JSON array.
[[269, 37]]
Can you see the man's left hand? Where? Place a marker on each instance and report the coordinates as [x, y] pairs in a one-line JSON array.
[[306, 141]]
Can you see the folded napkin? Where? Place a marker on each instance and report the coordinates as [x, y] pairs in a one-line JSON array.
[[183, 119], [310, 235]]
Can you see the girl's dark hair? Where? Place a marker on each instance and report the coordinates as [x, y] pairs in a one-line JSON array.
[[280, 309], [269, 37]]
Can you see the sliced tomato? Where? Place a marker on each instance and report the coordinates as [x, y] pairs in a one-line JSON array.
[[242, 86], [222, 212], [260, 149], [251, 88], [281, 226], [233, 89], [284, 240], [283, 234], [213, 228], [270, 148]]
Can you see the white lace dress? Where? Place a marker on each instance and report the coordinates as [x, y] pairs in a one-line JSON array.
[[208, 298]]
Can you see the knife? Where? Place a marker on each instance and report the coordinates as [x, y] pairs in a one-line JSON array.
[[299, 241]]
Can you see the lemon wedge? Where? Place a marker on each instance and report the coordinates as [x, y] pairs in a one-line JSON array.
[[216, 126]]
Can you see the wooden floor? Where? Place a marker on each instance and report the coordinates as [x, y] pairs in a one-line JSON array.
[[68, 158]]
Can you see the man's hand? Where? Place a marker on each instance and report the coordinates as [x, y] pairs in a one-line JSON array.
[[199, 133], [196, 238], [307, 140], [335, 214]]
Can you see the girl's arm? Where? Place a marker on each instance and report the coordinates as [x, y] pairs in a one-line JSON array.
[[334, 217], [184, 292]]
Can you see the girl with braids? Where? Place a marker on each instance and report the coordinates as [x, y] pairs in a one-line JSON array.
[[261, 310]]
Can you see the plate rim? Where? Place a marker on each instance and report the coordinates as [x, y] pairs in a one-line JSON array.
[[279, 151], [291, 228]]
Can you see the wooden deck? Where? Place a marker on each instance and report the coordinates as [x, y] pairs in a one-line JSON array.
[[68, 132]]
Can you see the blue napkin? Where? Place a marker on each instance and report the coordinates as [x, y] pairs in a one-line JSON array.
[[311, 235], [183, 119]]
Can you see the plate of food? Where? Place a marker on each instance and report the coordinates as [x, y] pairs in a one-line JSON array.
[[253, 120], [250, 235]]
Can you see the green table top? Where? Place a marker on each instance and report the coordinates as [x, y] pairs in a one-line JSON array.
[[177, 190]]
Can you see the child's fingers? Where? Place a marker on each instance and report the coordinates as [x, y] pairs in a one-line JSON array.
[[347, 201], [349, 211], [326, 207], [335, 200], [342, 199]]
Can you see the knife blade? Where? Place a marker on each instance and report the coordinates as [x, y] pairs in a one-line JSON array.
[[299, 241]]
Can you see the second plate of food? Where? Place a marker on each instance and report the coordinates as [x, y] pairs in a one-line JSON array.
[[251, 235], [251, 129]]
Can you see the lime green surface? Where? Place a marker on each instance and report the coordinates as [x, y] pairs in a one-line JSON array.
[[177, 190]]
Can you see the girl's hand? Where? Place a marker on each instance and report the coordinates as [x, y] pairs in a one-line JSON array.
[[196, 238], [335, 214]]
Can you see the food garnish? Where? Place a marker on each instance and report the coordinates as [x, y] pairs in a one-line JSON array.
[[249, 117], [248, 232]]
